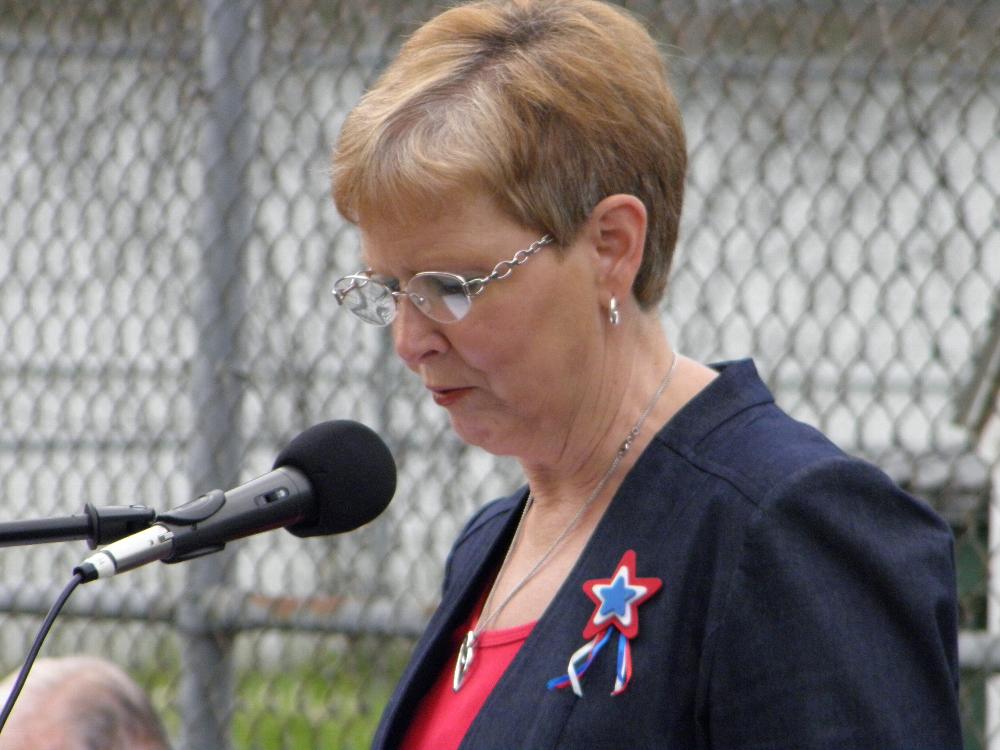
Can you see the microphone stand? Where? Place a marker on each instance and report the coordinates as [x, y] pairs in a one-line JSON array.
[[97, 525]]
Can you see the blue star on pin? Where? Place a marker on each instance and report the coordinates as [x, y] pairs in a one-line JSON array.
[[616, 597]]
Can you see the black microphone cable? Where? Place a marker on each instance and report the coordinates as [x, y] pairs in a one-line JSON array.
[[50, 618]]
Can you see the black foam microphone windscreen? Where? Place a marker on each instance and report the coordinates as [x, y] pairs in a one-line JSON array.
[[350, 470]]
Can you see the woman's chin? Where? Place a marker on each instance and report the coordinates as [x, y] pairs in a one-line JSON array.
[[474, 432], [470, 434]]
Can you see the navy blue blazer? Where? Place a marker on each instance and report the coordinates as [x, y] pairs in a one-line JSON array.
[[807, 602]]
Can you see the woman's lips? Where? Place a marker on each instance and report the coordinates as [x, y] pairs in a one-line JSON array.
[[448, 396]]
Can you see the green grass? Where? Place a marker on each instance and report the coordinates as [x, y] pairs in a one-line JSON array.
[[333, 701]]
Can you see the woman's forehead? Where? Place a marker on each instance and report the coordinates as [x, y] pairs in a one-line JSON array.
[[471, 230], [407, 256]]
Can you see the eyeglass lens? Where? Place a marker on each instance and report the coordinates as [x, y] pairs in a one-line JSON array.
[[440, 296], [370, 300]]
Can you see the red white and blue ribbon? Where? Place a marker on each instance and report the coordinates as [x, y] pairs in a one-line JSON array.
[[623, 673], [617, 601]]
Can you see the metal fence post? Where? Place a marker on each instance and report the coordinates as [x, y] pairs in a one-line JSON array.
[[230, 63]]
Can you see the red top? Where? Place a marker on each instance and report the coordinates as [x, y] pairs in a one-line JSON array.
[[444, 716]]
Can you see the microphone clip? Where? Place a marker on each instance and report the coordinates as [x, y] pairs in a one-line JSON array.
[[109, 523], [191, 513], [200, 509]]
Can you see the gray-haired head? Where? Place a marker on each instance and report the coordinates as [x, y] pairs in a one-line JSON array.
[[81, 703]]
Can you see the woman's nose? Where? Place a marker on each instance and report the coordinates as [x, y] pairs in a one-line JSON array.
[[414, 335]]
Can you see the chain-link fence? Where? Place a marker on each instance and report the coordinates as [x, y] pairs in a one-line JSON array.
[[167, 243]]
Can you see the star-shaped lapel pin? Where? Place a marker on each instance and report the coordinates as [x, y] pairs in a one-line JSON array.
[[618, 598], [617, 601]]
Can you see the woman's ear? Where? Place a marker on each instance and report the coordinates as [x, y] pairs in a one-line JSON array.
[[618, 229]]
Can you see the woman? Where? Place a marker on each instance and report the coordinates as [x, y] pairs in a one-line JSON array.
[[687, 567]]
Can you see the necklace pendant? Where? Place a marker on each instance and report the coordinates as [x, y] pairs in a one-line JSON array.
[[466, 653]]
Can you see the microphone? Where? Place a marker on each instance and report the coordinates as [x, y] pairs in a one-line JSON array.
[[332, 478]]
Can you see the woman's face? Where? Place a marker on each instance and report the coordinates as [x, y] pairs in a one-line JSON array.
[[515, 373]]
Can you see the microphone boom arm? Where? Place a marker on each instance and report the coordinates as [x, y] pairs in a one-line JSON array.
[[97, 525]]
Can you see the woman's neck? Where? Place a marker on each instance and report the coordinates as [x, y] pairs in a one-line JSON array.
[[632, 390]]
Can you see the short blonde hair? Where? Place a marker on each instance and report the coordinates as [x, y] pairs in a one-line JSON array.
[[548, 106]]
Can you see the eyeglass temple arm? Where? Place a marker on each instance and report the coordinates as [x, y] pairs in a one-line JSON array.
[[503, 269]]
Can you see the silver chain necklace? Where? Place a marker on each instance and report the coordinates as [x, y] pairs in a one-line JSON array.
[[467, 651]]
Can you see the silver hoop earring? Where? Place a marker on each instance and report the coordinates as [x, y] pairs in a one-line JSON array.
[[613, 317]]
